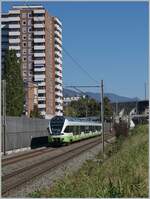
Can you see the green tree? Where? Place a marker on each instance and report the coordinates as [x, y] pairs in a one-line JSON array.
[[35, 112], [82, 108], [108, 112], [14, 84]]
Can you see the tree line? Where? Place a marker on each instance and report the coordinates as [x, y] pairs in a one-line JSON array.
[[88, 107], [15, 89]]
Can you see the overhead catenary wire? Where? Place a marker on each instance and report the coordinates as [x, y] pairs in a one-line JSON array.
[[70, 56], [79, 65]]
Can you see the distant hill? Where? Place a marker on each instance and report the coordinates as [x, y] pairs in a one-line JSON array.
[[113, 97]]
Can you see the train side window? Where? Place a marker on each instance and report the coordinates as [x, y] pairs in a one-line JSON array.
[[91, 128], [82, 128], [71, 129], [86, 129], [76, 130], [98, 128], [67, 129]]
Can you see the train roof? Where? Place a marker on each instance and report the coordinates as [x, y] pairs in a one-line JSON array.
[[75, 120]]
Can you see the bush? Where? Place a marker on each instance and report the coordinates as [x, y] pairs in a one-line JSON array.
[[121, 129]]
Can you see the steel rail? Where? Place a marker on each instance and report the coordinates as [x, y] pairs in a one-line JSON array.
[[15, 159], [14, 180]]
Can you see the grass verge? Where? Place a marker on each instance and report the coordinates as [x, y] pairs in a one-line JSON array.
[[124, 173]]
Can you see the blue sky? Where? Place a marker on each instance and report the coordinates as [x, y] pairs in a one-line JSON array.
[[109, 39]]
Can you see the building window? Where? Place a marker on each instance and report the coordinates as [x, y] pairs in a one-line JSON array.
[[24, 44], [29, 15], [24, 66], [41, 102], [30, 51], [24, 51], [29, 22], [23, 15], [29, 44], [29, 29], [24, 29], [23, 22], [24, 37], [24, 58], [41, 95], [29, 36], [29, 58], [30, 66]]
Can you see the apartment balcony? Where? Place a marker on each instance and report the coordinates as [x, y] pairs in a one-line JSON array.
[[14, 25], [58, 53], [14, 41], [58, 80], [41, 105], [58, 28], [58, 21], [58, 47], [38, 47], [41, 91], [58, 73], [39, 54], [14, 18], [43, 113], [58, 66], [14, 11], [59, 107], [39, 11], [39, 40], [41, 98], [17, 33], [41, 84], [39, 32], [59, 113], [4, 22], [39, 77], [39, 25], [58, 34], [58, 100], [18, 55], [58, 93], [58, 40], [39, 18], [59, 87], [39, 69], [14, 47], [58, 60], [39, 61]]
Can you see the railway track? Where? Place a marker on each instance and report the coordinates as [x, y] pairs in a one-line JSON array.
[[27, 155], [22, 175]]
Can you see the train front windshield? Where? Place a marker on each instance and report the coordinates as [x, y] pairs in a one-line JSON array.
[[57, 125]]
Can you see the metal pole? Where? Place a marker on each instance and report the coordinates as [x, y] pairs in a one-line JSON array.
[[4, 116], [102, 116], [116, 107], [145, 90]]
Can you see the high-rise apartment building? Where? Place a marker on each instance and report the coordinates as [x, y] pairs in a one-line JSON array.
[[37, 38]]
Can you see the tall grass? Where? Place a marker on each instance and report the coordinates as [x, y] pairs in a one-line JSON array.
[[124, 173]]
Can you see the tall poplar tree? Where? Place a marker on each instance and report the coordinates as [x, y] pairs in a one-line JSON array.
[[14, 84]]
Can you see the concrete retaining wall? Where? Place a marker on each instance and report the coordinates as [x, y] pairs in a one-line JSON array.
[[20, 131]]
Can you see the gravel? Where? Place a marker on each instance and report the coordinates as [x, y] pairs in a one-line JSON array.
[[48, 179]]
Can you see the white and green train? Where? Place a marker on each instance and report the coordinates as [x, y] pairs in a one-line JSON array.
[[67, 130]]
